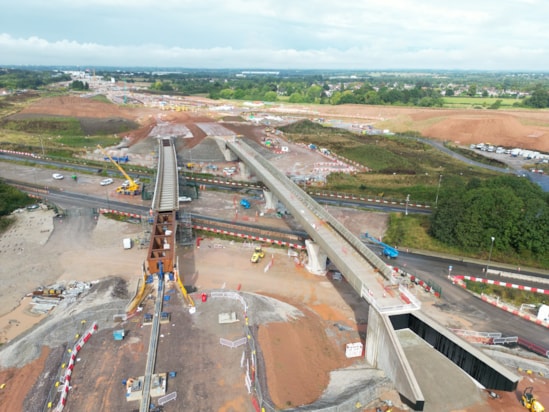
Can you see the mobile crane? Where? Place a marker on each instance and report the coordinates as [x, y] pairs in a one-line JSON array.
[[388, 251], [129, 188]]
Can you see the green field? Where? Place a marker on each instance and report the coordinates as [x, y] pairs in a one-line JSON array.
[[479, 102], [399, 165]]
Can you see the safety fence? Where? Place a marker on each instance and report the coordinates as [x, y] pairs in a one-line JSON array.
[[411, 302], [485, 338], [19, 153], [515, 311], [500, 283], [68, 372], [367, 198], [165, 399], [136, 215], [496, 338], [429, 286], [232, 344], [357, 400], [247, 236]]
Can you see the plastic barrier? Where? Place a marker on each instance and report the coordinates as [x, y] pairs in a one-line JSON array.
[[67, 377]]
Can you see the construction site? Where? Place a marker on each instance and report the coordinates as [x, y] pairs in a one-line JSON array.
[[202, 326]]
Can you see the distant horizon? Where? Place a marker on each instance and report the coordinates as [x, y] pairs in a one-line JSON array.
[[470, 35], [176, 69]]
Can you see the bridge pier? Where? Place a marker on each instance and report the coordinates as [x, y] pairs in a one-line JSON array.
[[271, 201], [316, 263], [244, 170], [229, 155]]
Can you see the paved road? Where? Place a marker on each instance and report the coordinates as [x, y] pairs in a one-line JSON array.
[[485, 317], [428, 268]]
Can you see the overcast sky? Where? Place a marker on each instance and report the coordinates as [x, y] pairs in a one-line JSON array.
[[278, 34]]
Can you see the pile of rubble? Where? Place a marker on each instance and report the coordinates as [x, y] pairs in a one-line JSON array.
[[44, 299]]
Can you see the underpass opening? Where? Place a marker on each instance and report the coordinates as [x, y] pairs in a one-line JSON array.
[[472, 361]]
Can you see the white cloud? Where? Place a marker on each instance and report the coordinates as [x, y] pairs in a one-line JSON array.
[[489, 34]]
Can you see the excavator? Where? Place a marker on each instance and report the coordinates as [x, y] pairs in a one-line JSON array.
[[530, 402], [130, 187]]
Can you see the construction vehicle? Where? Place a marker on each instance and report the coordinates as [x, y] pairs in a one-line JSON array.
[[388, 251], [530, 402], [130, 187], [118, 159], [258, 255]]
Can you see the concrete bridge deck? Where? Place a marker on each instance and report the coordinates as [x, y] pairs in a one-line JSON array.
[[363, 269]]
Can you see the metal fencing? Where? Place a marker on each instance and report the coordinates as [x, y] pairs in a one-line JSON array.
[[255, 380]]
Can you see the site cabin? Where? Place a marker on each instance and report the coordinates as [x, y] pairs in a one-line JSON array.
[[127, 242]]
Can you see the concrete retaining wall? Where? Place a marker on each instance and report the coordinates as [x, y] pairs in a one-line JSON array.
[[383, 351]]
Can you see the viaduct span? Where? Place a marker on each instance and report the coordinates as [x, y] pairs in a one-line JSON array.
[[391, 306]]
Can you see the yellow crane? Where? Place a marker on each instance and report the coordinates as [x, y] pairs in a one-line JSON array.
[[131, 188]]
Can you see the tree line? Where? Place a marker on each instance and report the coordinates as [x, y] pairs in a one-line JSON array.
[[371, 91], [17, 79], [510, 209]]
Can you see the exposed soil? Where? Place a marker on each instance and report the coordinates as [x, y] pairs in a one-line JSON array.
[[87, 250], [526, 129], [73, 106]]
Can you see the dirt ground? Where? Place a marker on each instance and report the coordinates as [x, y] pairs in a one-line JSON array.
[[87, 249], [527, 129], [215, 265]]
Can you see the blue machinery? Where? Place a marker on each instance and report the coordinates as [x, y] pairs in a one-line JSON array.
[[388, 251]]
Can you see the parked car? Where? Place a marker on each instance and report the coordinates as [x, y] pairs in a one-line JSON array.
[[107, 181], [58, 176], [185, 199]]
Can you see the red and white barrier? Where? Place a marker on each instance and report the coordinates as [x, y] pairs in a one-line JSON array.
[[513, 310], [116, 212], [245, 236], [68, 372], [500, 283], [15, 152]]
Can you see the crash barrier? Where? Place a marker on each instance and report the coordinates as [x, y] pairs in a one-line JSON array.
[[67, 377], [511, 309], [223, 182], [369, 199], [533, 347], [412, 303], [429, 286], [19, 153], [518, 276], [117, 212], [500, 283], [485, 338], [231, 343], [165, 399], [245, 236]]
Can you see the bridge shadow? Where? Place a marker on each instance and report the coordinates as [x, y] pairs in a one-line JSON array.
[[187, 267], [358, 305]]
